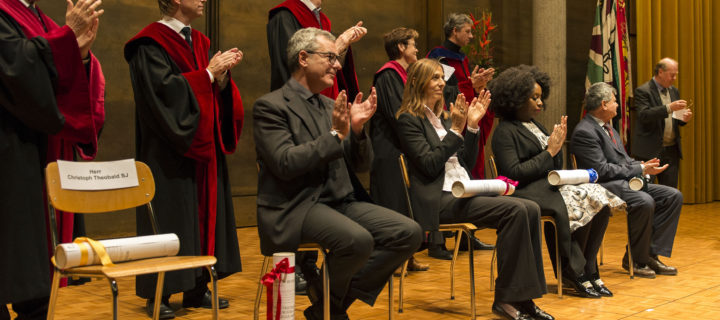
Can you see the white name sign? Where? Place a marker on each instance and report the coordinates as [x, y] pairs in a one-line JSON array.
[[97, 175]]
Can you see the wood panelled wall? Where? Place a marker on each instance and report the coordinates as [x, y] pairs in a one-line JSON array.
[[242, 25]]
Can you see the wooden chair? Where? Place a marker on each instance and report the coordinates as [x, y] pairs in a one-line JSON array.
[[267, 261], [458, 228], [631, 268], [87, 202], [543, 220]]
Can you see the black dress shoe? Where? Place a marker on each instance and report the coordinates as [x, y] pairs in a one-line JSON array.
[[438, 252], [315, 312], [203, 301], [534, 311], [660, 268], [314, 288], [477, 244], [642, 271], [165, 311], [600, 287], [583, 288], [300, 283], [518, 315]]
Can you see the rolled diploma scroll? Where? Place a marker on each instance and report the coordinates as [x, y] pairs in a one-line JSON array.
[[286, 287], [636, 183], [488, 187], [68, 255], [562, 177]]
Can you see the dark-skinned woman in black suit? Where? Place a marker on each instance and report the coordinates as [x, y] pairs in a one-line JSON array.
[[438, 154], [524, 151]]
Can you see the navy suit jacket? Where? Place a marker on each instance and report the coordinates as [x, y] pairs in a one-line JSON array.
[[593, 148]]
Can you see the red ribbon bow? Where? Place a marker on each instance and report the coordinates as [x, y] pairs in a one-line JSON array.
[[508, 181], [268, 280]]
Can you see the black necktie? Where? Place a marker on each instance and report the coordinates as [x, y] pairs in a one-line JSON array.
[[37, 14], [663, 91], [316, 12], [314, 100], [186, 32]]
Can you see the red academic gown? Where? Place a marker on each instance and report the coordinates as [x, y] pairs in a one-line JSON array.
[[185, 125], [280, 29], [462, 73], [56, 107]]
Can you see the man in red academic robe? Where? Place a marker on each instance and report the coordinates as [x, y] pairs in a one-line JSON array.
[[292, 15], [283, 21], [189, 116], [458, 33], [51, 105]]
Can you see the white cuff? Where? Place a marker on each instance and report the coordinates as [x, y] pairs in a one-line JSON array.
[[475, 131], [457, 133], [212, 79]]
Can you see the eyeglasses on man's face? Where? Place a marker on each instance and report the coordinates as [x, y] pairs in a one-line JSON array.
[[332, 57]]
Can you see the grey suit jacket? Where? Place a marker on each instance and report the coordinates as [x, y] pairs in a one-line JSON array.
[[593, 148], [295, 161], [647, 136]]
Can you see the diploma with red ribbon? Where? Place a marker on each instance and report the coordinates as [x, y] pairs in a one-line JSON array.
[[280, 285], [485, 187]]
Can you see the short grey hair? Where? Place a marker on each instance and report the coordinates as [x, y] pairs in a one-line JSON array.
[[455, 20], [304, 39], [596, 94]]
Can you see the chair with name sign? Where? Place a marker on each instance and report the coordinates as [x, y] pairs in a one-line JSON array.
[[100, 201]]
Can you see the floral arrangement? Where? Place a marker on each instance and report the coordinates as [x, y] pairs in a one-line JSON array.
[[479, 50]]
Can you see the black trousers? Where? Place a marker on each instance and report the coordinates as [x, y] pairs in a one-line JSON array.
[[520, 269], [366, 243], [589, 238], [35, 309], [653, 218], [581, 256]]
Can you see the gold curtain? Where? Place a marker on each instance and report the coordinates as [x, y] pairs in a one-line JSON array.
[[689, 32]]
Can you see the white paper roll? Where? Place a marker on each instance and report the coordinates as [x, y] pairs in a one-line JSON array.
[[487, 187], [561, 177], [68, 255], [636, 184], [286, 287]]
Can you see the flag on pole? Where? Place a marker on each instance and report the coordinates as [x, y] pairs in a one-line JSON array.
[[609, 58]]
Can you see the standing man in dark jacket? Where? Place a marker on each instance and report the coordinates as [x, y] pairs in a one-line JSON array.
[[660, 113]]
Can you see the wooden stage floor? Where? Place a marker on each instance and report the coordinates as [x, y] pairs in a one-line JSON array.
[[694, 293]]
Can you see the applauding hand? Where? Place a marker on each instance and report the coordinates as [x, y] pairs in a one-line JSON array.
[[341, 116], [477, 109], [557, 137], [458, 113], [361, 112]]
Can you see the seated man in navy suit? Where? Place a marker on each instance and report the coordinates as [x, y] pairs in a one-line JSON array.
[[653, 212]]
